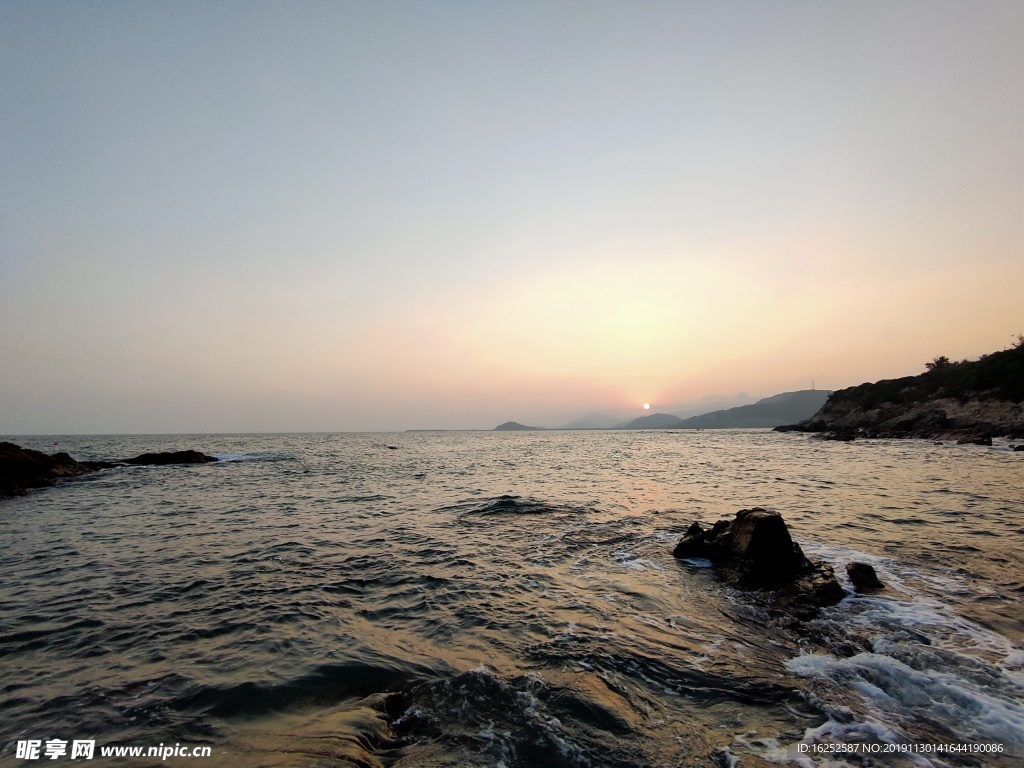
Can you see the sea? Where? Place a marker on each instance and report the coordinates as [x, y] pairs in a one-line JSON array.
[[509, 599]]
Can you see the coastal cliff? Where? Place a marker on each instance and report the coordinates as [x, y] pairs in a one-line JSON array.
[[971, 400]]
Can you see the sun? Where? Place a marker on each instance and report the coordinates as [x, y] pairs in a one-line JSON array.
[[647, 406]]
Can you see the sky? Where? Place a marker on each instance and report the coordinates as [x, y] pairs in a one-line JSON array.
[[348, 216]]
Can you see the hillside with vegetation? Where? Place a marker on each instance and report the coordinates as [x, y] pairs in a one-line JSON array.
[[964, 400]]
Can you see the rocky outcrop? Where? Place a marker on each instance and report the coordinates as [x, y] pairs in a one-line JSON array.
[[938, 419], [755, 551], [172, 457], [23, 468], [863, 577], [951, 401]]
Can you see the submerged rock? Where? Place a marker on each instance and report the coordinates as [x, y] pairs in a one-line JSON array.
[[975, 440], [842, 435], [355, 734], [863, 577], [755, 551]]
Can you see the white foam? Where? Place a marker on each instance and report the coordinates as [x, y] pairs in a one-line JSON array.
[[628, 560], [893, 688], [927, 663], [856, 732], [697, 562]]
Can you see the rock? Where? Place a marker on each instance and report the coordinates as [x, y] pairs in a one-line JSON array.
[[692, 544], [23, 468], [1018, 448], [755, 551], [807, 425], [843, 435], [816, 588], [863, 577], [975, 440], [172, 457]]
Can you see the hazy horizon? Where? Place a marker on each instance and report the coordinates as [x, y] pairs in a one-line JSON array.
[[320, 217]]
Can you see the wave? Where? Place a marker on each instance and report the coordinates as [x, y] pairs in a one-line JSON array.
[[265, 456], [926, 675], [325, 685]]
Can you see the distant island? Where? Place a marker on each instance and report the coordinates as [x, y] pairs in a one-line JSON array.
[[515, 426], [970, 401], [773, 411]]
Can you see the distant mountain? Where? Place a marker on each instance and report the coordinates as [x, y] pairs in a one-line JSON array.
[[620, 418], [515, 426], [768, 412], [706, 405], [654, 421], [593, 421]]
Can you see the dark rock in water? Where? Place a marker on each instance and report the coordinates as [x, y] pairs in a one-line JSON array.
[[841, 435], [815, 588], [23, 468], [172, 457], [804, 426], [756, 551], [692, 544], [863, 577], [975, 440], [1018, 447]]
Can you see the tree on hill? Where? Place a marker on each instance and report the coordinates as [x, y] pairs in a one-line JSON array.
[[939, 362], [996, 376]]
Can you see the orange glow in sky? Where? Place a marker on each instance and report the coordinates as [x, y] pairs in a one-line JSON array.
[[328, 218]]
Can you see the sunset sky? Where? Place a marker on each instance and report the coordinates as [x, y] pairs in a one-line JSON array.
[[320, 216]]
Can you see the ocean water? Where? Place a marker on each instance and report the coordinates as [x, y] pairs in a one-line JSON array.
[[510, 599]]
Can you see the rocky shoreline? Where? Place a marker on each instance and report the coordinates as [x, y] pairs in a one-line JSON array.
[[22, 469], [975, 422]]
